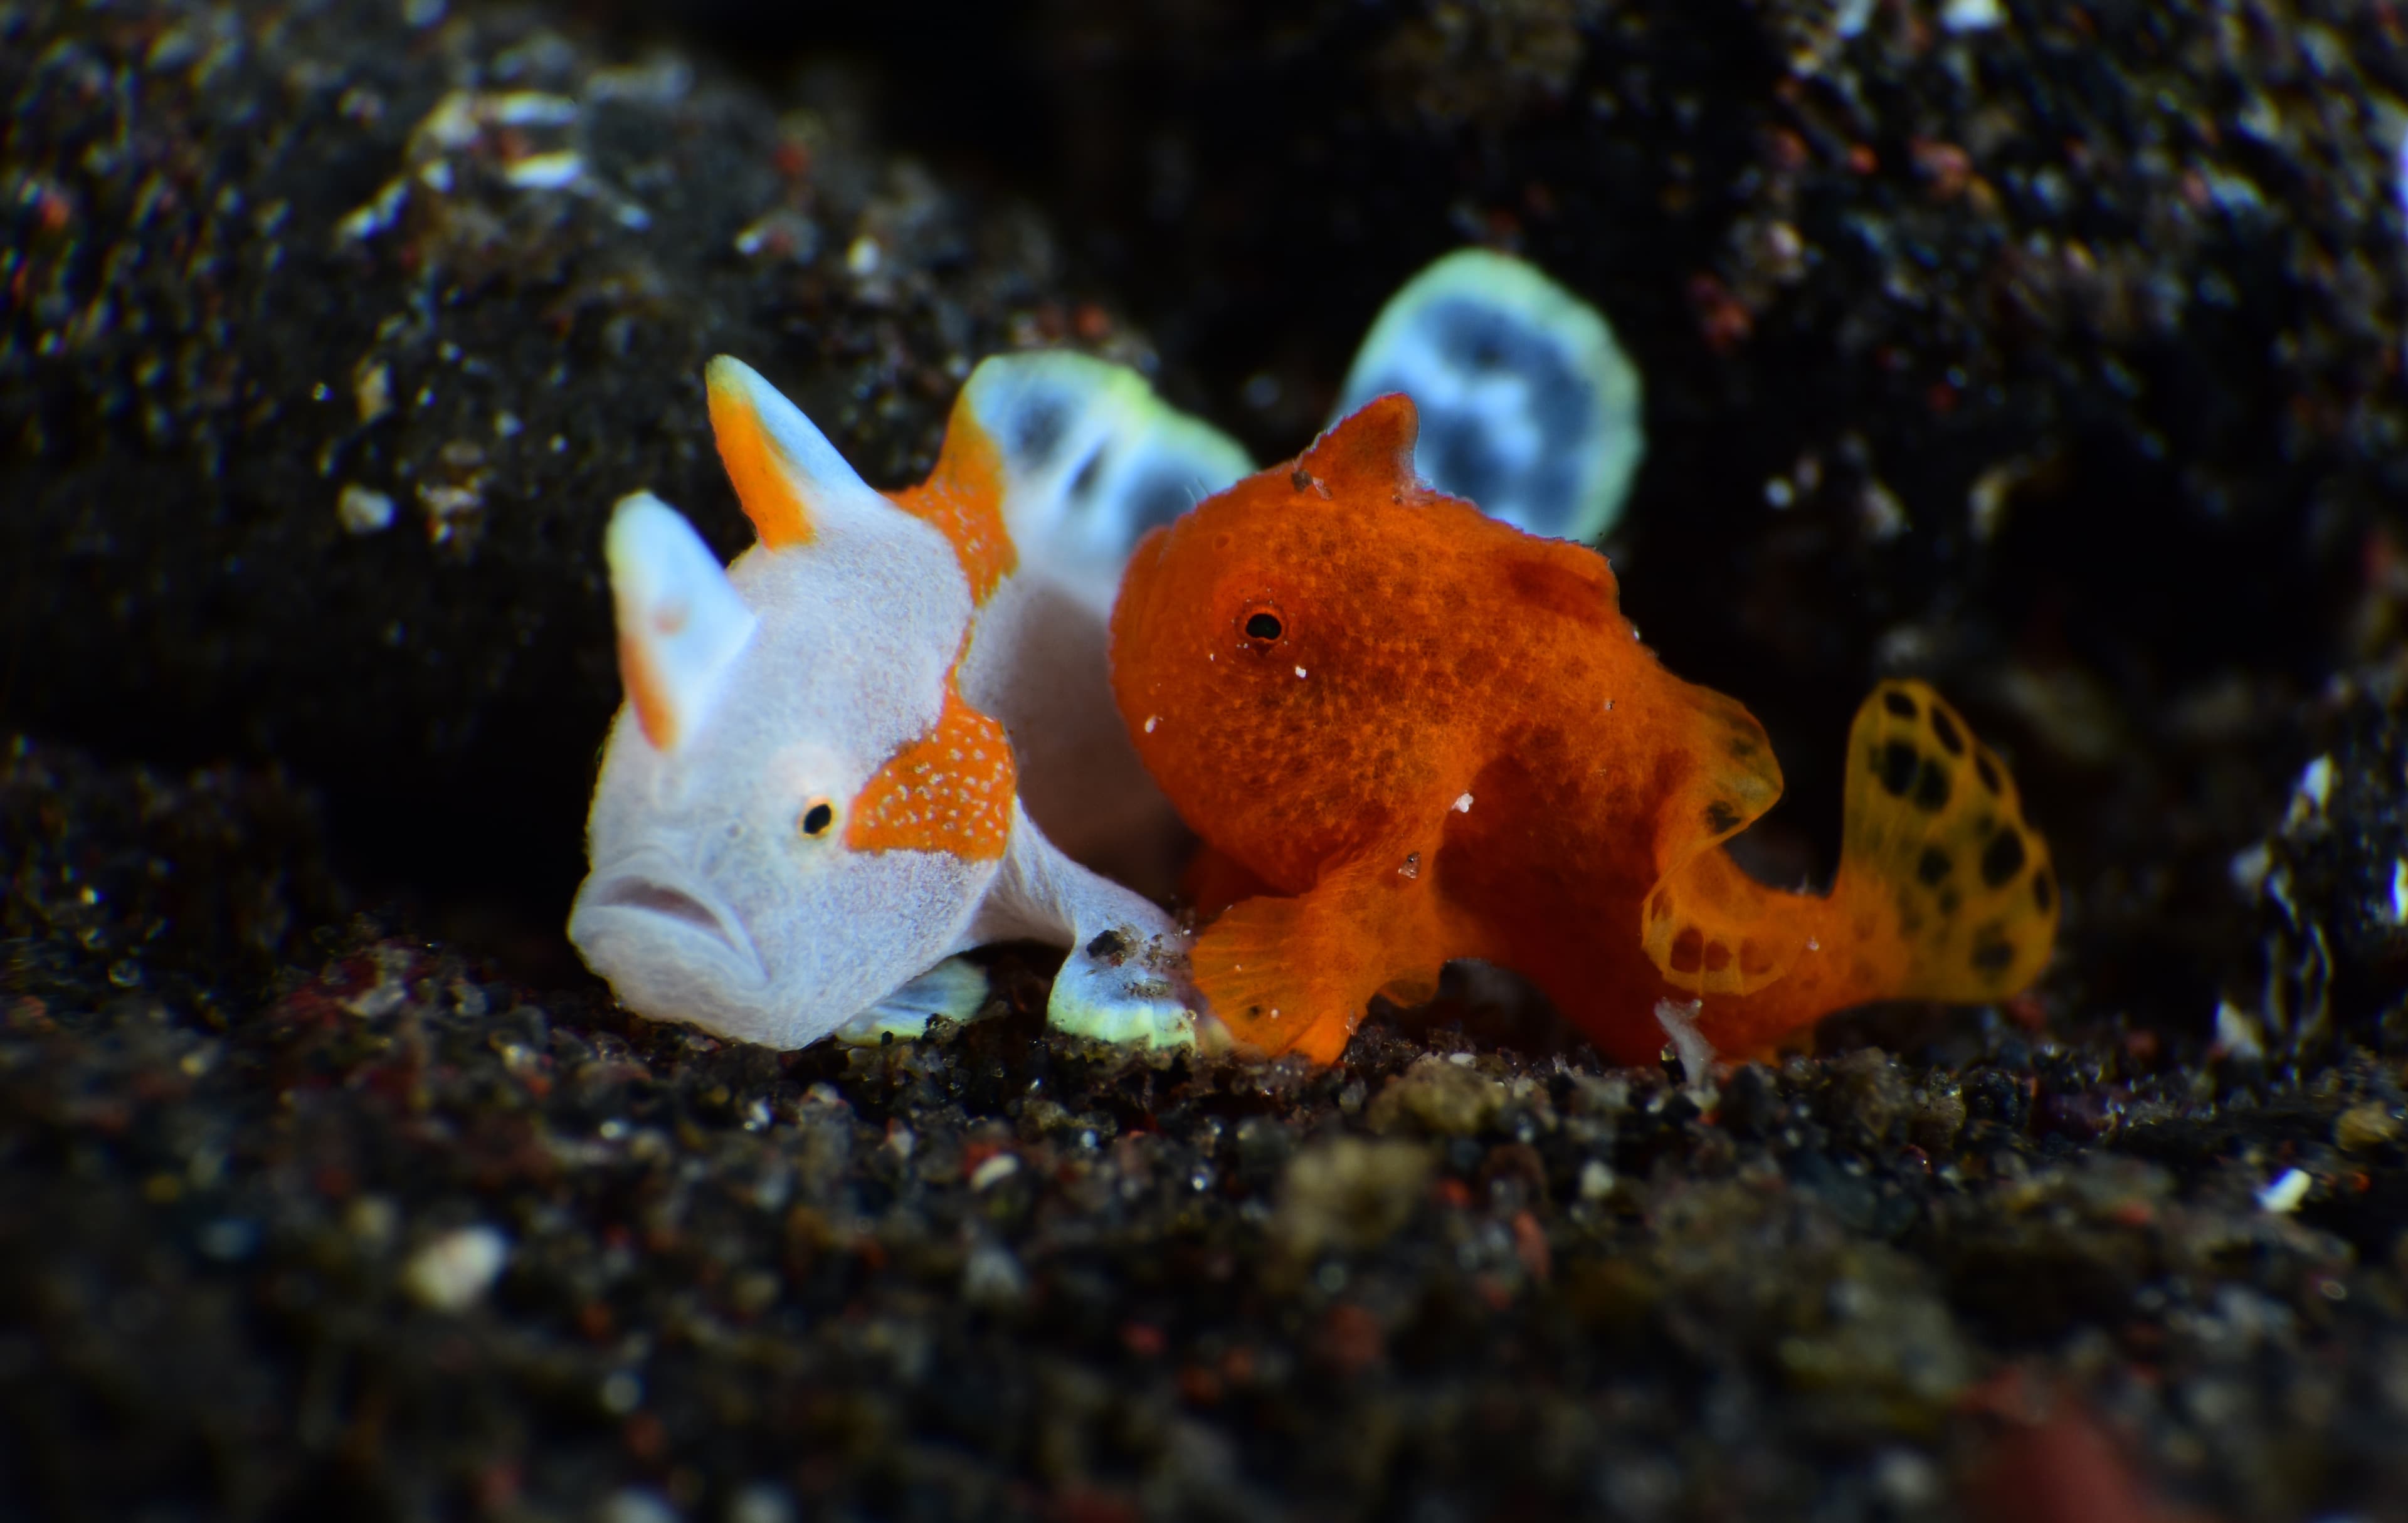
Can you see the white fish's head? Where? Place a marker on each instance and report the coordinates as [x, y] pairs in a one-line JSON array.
[[748, 874]]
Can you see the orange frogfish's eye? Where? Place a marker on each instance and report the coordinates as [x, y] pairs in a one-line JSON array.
[[1262, 623]]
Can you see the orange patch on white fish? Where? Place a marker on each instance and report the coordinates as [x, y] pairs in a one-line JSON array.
[[963, 499], [951, 790]]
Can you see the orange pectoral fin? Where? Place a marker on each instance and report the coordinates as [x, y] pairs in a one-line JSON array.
[[1295, 974], [1265, 973]]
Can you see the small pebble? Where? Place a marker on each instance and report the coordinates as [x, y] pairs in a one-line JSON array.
[[2284, 1196], [363, 511], [453, 1273], [636, 1505]]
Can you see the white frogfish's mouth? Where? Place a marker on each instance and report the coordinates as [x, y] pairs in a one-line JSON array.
[[651, 901]]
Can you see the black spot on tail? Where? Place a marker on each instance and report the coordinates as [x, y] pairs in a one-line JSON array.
[[1933, 867], [1897, 764], [1898, 704], [2003, 859], [1993, 955], [1988, 771], [1952, 740], [1931, 788], [1721, 818], [2043, 893]]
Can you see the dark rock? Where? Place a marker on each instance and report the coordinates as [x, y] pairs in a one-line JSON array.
[[330, 339], [2330, 887]]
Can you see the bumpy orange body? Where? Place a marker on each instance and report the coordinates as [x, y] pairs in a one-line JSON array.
[[1409, 733]]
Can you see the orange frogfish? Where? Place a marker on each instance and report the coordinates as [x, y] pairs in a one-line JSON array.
[[1410, 733]]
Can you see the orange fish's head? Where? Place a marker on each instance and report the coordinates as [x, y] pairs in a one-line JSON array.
[[1280, 653]]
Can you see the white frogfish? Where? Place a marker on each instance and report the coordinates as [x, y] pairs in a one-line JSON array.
[[825, 782]]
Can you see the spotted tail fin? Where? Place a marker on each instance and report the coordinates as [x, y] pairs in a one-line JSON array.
[[1933, 843]]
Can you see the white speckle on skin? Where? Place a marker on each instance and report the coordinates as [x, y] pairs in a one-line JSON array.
[[2284, 1196], [1151, 721], [1299, 671], [453, 1273], [1463, 803]]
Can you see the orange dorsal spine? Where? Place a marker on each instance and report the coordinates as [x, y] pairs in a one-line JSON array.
[[766, 485], [963, 499]]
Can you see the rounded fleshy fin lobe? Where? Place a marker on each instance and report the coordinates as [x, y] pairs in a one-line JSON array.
[[1370, 449], [1935, 856], [963, 500], [1703, 925], [1092, 459], [1528, 406], [681, 622], [1257, 967], [950, 791], [790, 480]]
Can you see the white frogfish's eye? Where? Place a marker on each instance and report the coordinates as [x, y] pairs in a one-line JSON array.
[[816, 821]]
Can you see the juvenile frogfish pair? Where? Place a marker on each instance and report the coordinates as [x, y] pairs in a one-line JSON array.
[[885, 735], [1409, 733]]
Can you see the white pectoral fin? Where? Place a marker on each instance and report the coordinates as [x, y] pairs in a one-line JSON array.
[[1126, 979], [1528, 406], [681, 620], [953, 989], [1092, 460]]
